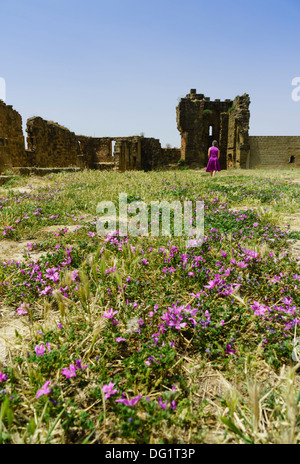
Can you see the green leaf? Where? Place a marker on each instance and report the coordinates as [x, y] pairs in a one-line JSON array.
[[54, 425], [102, 268], [233, 428], [118, 279]]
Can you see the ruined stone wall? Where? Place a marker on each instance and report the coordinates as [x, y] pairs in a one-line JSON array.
[[12, 151], [274, 151], [52, 145], [95, 151], [170, 155], [223, 140], [189, 125], [5, 157], [199, 121], [151, 154], [137, 153], [238, 144], [130, 153]]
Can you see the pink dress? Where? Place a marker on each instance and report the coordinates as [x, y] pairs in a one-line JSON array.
[[213, 162]]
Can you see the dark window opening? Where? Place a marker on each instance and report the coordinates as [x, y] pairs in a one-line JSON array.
[[292, 159]]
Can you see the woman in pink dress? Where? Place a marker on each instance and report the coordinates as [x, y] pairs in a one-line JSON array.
[[213, 164]]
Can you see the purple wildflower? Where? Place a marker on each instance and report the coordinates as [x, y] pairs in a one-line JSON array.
[[110, 313], [52, 274], [3, 377], [22, 309], [79, 365], [109, 390], [44, 390], [173, 405], [71, 372], [131, 402], [40, 350], [163, 405]]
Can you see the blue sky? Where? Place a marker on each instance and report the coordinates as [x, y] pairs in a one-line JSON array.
[[119, 67]]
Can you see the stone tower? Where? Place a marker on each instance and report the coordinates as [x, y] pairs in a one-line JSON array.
[[200, 121]]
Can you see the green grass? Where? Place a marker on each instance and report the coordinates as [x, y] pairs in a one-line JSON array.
[[196, 343]]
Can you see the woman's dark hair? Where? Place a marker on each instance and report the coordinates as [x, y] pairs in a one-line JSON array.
[[215, 143]]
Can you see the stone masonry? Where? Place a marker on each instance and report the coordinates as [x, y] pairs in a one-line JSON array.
[[12, 150], [95, 152], [129, 153], [171, 155], [52, 145], [274, 151], [5, 156], [199, 121], [238, 144]]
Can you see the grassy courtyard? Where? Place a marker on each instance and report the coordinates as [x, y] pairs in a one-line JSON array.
[[125, 339]]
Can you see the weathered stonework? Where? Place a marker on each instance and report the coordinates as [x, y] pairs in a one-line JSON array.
[[238, 144], [200, 121], [95, 151], [170, 156], [12, 147], [5, 156], [129, 153], [52, 145], [151, 154], [138, 153], [274, 151]]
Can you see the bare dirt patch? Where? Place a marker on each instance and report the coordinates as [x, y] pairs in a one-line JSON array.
[[243, 208], [16, 251], [21, 189], [57, 228], [10, 322], [16, 331], [295, 249], [27, 186], [293, 220]]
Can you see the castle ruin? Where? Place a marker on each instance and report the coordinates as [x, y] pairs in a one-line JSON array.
[[50, 145], [199, 121]]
